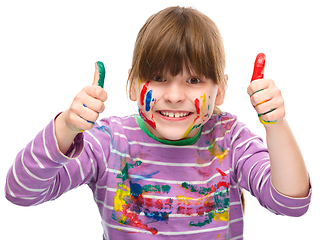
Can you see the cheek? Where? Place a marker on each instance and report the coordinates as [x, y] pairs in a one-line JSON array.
[[146, 98], [204, 106]]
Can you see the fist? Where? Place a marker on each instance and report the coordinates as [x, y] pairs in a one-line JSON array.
[[265, 97], [87, 104]]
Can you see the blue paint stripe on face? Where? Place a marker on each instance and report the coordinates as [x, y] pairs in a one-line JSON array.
[[148, 100]]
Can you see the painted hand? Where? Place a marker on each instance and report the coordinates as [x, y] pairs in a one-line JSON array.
[[265, 97], [88, 103]]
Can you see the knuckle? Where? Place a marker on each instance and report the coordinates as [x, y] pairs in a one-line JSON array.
[[258, 109], [100, 106], [98, 91], [73, 108], [254, 100]]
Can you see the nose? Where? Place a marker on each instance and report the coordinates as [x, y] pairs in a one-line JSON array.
[[174, 93]]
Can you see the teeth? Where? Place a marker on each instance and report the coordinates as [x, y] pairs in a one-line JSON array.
[[171, 114]]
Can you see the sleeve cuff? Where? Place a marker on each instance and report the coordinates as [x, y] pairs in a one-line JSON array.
[[289, 205], [74, 151]]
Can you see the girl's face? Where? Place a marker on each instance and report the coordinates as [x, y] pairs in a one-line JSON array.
[[174, 108]]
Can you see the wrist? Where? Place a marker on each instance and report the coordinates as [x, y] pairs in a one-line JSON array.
[[64, 134]]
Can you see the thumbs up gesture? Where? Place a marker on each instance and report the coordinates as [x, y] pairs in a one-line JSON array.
[[87, 104], [265, 97]]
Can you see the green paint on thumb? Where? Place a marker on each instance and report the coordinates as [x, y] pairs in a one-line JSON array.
[[102, 73]]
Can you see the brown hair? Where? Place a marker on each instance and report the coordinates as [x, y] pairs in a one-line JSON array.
[[176, 37]]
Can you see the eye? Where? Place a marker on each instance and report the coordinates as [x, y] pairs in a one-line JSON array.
[[159, 79], [194, 80]]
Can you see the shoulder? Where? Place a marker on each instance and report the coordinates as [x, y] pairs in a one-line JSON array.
[[221, 123], [113, 127], [115, 123], [227, 126]]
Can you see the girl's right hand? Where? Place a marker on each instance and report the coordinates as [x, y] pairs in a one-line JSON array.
[[86, 106], [82, 113]]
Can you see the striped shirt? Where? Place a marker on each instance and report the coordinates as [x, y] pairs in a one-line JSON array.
[[146, 188]]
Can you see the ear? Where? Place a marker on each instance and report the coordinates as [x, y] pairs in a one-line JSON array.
[[221, 92], [132, 90]]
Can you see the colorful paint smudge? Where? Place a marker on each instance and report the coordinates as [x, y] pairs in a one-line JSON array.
[[151, 121], [214, 205], [143, 92], [259, 64], [102, 73], [199, 110], [149, 100], [138, 206], [129, 201]]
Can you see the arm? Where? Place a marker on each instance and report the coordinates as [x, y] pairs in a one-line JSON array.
[[45, 168], [251, 165], [288, 171]]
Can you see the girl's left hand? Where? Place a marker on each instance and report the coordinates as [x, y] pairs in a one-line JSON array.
[[267, 100]]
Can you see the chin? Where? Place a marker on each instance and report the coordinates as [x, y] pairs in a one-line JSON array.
[[175, 136]]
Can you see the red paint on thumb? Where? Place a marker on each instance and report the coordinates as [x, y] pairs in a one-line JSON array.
[[258, 69]]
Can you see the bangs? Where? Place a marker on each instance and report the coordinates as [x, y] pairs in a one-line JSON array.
[[176, 38]]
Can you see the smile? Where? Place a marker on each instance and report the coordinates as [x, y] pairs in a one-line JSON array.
[[173, 114]]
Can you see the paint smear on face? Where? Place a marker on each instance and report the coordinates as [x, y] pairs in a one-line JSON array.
[[200, 110], [151, 121], [148, 100], [143, 93]]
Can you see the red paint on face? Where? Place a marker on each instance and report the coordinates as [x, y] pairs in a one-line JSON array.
[[151, 122], [143, 93], [258, 70], [196, 103]]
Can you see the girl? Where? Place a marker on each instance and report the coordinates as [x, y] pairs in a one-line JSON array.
[[176, 170]]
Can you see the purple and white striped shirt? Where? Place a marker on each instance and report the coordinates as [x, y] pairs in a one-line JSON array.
[[146, 188]]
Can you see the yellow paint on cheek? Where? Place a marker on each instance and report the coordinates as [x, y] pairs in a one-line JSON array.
[[188, 130], [200, 112], [204, 99], [139, 84]]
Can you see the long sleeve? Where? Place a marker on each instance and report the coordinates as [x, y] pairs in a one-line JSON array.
[[251, 165], [41, 172]]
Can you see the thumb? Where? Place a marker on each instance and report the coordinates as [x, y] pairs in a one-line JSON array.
[[258, 69], [99, 74]]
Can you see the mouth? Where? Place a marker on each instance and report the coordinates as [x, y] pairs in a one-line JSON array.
[[174, 114]]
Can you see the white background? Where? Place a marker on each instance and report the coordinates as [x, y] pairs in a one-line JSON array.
[[47, 55]]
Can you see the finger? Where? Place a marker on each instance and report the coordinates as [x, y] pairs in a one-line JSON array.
[[77, 123], [259, 64], [85, 113], [260, 97], [99, 74], [93, 104], [95, 92], [272, 116]]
